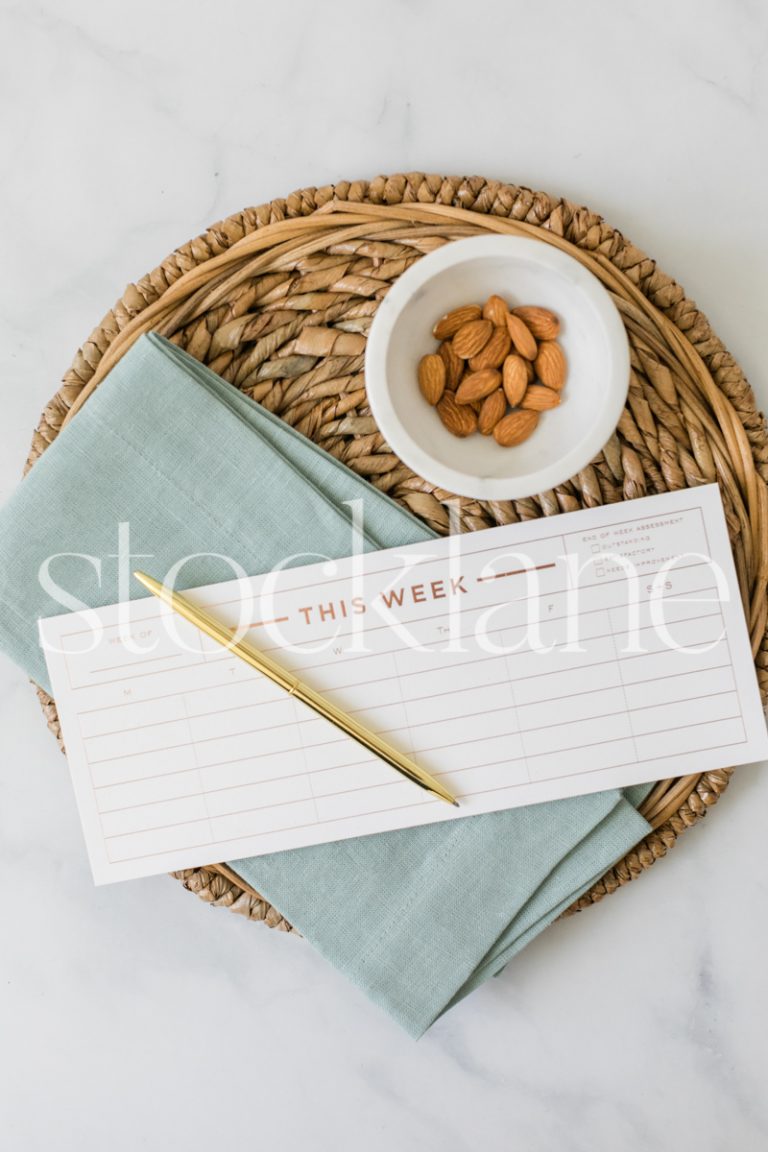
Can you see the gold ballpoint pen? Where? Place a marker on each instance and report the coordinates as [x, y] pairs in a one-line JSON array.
[[293, 686]]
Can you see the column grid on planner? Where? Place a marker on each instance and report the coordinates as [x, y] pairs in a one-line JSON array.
[[569, 695], [379, 637], [462, 718], [348, 780], [436, 596], [644, 542], [151, 643], [145, 777], [336, 763], [267, 802], [256, 766], [409, 715], [480, 747], [161, 774], [680, 670]]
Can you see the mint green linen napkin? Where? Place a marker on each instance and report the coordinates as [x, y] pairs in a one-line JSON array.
[[415, 918]]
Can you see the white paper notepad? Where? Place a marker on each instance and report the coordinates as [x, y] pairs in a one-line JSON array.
[[181, 754]]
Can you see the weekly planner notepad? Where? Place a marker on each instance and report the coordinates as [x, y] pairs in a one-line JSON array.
[[523, 663]]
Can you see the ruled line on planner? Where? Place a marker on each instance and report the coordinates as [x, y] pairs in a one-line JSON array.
[[226, 603], [212, 791], [655, 732], [684, 700], [312, 719], [303, 668], [239, 760], [251, 731], [296, 723], [271, 700], [224, 655], [367, 655], [420, 752], [501, 627], [136, 676], [449, 773], [285, 828], [326, 743], [333, 819], [293, 724], [637, 519], [599, 583], [434, 747], [149, 660], [160, 616], [605, 767], [299, 668], [471, 552], [178, 772], [468, 609], [204, 819], [217, 658], [546, 699]]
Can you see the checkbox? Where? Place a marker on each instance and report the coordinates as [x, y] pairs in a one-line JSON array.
[[599, 570], [595, 547]]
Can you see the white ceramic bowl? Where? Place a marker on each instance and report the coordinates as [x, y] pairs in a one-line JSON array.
[[522, 271]]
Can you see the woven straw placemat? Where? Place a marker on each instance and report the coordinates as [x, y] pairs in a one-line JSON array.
[[278, 300]]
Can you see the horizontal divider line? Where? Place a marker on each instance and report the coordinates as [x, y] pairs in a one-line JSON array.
[[396, 778], [382, 679], [468, 553], [380, 732], [389, 651], [515, 572], [394, 808], [247, 836], [149, 660], [421, 619]]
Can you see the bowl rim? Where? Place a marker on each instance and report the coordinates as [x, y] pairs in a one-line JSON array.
[[455, 480]]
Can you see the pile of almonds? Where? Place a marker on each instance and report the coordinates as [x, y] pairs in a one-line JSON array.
[[495, 371]]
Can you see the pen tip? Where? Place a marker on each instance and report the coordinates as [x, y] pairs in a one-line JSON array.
[[148, 582], [455, 803]]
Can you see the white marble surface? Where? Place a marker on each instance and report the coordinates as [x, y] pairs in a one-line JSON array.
[[133, 1017]]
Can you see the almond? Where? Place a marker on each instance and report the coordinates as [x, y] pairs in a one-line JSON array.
[[492, 410], [550, 365], [478, 385], [449, 324], [432, 377], [495, 309], [543, 324], [457, 418], [514, 428], [522, 337], [515, 378], [454, 365], [489, 358], [539, 399], [492, 356], [471, 337]]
